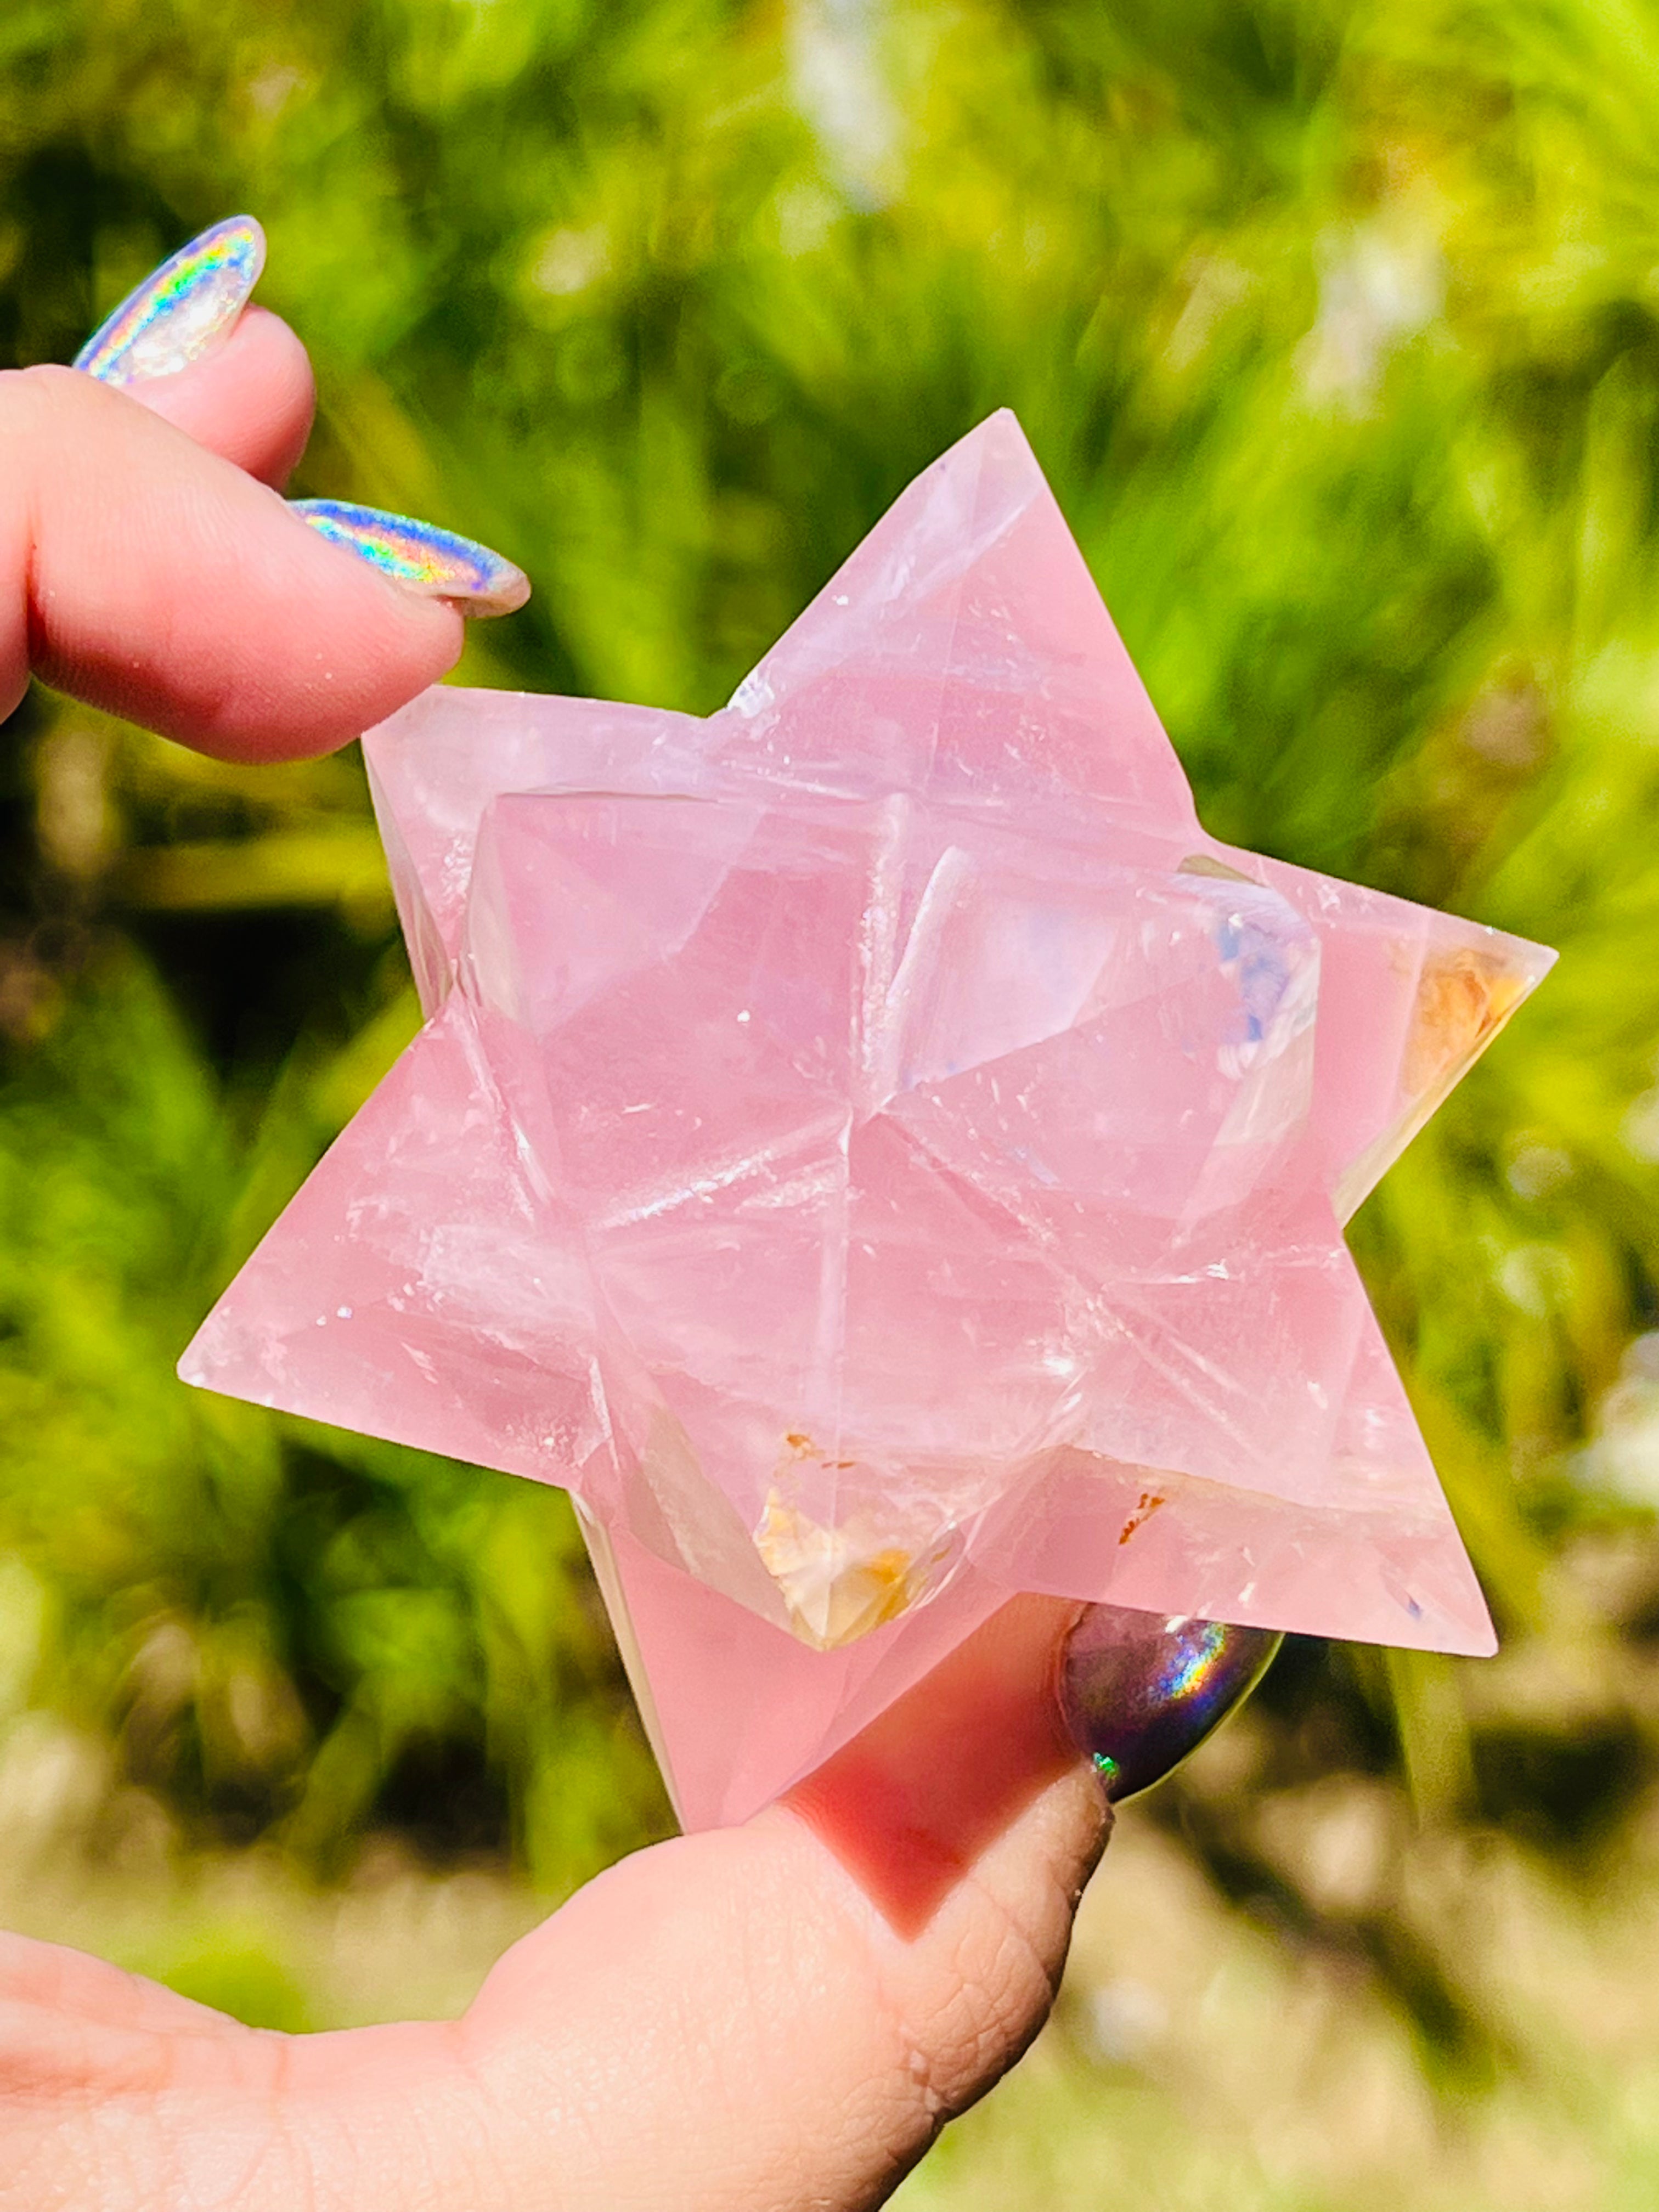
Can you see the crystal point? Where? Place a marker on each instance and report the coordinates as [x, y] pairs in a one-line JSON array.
[[876, 1151]]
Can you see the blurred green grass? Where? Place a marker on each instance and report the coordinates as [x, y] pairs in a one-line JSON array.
[[1337, 328]]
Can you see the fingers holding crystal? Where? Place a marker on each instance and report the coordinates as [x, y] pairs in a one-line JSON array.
[[911, 1802], [811, 1994]]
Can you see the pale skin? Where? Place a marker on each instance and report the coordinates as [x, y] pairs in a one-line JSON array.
[[765, 2019]]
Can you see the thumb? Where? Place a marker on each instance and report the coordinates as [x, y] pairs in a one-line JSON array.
[[786, 2014]]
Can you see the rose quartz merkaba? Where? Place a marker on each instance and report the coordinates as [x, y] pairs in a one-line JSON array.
[[876, 1151]]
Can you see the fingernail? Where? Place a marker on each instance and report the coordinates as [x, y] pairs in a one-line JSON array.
[[186, 308], [433, 561], [1139, 1690]]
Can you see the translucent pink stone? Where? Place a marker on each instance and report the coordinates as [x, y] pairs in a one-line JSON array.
[[881, 1155]]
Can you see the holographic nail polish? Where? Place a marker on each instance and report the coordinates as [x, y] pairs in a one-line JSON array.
[[1141, 1690], [187, 308], [433, 561]]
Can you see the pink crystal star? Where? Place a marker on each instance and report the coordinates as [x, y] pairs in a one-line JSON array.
[[879, 1153]]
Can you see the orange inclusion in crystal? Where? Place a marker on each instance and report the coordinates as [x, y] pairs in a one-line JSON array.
[[1461, 1002]]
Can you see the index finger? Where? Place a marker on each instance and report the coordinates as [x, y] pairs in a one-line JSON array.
[[152, 578]]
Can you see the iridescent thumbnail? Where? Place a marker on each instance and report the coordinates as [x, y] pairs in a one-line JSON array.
[[1140, 1689], [184, 309], [421, 555]]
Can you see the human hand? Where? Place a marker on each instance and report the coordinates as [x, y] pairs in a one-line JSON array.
[[148, 565], [780, 2015], [774, 2016]]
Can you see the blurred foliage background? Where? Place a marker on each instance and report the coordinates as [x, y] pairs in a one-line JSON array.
[[1336, 325]]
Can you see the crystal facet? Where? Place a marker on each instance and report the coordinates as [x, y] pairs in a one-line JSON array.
[[881, 1155]]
